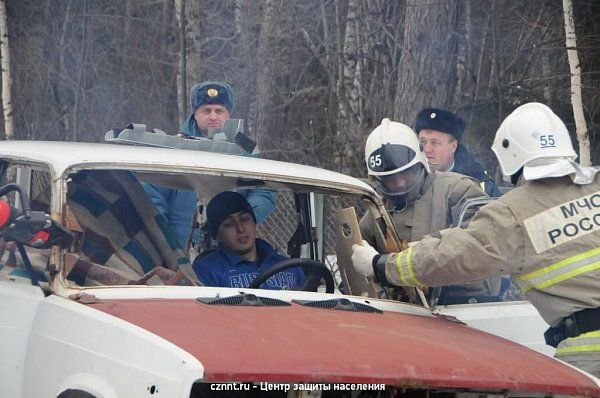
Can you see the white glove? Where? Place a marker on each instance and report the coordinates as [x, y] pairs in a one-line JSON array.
[[362, 258]]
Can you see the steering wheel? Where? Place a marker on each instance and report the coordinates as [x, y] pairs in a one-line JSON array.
[[314, 271]]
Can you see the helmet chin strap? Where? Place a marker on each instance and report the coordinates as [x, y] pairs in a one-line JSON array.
[[515, 177], [399, 204]]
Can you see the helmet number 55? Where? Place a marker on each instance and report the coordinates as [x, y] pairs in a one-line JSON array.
[[547, 141], [375, 161]]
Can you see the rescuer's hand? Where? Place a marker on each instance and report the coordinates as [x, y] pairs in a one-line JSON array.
[[362, 258]]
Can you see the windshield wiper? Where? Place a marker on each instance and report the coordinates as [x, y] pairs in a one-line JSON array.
[[244, 300], [341, 304]]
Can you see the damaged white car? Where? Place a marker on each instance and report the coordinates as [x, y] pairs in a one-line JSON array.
[[99, 300]]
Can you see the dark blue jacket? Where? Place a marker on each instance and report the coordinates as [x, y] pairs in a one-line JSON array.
[[466, 164], [226, 269]]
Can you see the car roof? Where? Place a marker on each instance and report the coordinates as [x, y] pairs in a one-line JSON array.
[[62, 156]]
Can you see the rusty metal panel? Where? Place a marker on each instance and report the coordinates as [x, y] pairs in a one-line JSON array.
[[300, 344], [347, 234]]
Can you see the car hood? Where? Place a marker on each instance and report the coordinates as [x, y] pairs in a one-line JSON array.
[[301, 344]]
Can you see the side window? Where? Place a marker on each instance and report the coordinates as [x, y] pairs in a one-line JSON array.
[[292, 231], [35, 183]]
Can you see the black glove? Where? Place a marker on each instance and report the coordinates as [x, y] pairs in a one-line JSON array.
[[379, 270]]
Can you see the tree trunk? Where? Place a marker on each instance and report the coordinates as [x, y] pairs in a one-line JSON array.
[[464, 54], [349, 105], [581, 126], [193, 42], [124, 108], [81, 78], [181, 71], [9, 130], [246, 16], [269, 109], [427, 66], [349, 88]]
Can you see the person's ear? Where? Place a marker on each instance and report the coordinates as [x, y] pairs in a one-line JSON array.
[[454, 145]]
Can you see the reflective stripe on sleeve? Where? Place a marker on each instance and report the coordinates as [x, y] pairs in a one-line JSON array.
[[405, 269], [560, 271], [586, 342]]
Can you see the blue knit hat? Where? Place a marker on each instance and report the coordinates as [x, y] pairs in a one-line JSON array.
[[212, 93], [222, 206], [440, 120]]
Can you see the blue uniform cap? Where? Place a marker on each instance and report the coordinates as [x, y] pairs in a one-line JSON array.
[[440, 120], [211, 93]]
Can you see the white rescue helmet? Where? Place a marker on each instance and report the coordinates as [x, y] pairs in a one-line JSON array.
[[532, 131], [392, 148]]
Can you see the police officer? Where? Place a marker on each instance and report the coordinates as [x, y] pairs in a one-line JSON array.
[[419, 202], [439, 133], [545, 233], [211, 103]]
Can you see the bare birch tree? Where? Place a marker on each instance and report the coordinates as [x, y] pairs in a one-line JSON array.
[[576, 101], [189, 16], [180, 12], [349, 87], [9, 130]]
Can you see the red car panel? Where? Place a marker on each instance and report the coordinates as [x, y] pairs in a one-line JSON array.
[[300, 344]]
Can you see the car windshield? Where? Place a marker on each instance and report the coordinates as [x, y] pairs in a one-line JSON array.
[[124, 238]]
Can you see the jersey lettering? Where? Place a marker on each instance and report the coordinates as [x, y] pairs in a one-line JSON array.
[[565, 222], [280, 281]]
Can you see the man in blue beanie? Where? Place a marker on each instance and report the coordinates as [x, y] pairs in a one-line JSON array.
[[241, 256], [211, 103], [439, 133]]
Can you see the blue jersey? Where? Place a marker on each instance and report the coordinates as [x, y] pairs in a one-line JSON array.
[[224, 268]]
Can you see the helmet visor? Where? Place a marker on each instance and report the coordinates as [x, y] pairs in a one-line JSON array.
[[390, 157], [399, 184]]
